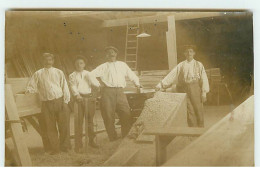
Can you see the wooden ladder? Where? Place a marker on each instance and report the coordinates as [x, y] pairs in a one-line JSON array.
[[131, 48]]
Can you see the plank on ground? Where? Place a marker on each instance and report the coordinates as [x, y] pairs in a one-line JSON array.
[[16, 128]]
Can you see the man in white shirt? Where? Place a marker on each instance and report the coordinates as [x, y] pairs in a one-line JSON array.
[[81, 82], [112, 75], [51, 85], [191, 78]]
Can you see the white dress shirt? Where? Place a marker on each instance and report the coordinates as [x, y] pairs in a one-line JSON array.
[[80, 82], [50, 83], [189, 75], [113, 74]]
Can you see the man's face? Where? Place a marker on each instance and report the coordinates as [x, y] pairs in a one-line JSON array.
[[48, 61], [80, 65], [111, 55], [189, 54]]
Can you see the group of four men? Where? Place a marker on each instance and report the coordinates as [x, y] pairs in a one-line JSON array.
[[54, 93]]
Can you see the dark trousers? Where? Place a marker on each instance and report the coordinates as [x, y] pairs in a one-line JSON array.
[[195, 115], [113, 100], [55, 125], [86, 109]]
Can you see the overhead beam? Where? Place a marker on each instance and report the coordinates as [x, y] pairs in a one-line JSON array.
[[160, 18]]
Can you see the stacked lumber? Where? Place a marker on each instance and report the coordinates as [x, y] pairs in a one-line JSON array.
[[141, 150], [230, 142], [214, 75]]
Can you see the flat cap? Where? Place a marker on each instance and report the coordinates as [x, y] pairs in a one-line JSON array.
[[189, 46], [111, 47]]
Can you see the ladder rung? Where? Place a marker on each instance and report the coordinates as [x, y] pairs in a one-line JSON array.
[[131, 54], [134, 27], [131, 48], [131, 41], [131, 61]]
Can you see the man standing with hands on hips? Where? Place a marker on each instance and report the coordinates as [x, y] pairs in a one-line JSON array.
[[113, 100], [190, 77]]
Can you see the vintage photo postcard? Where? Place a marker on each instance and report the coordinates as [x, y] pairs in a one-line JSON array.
[[129, 88]]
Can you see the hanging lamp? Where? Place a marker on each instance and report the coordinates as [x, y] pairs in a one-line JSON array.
[[143, 33]]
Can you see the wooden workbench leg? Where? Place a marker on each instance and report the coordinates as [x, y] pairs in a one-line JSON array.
[[161, 143]]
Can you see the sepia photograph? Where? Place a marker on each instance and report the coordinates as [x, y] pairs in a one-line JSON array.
[[129, 88]]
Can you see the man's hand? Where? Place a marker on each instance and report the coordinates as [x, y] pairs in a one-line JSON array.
[[79, 98], [158, 87], [27, 92], [203, 97]]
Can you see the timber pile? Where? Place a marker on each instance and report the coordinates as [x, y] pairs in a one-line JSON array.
[[230, 142], [167, 109]]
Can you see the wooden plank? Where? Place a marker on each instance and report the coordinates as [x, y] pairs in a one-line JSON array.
[[176, 131], [161, 143], [29, 111], [171, 43], [29, 100], [16, 128], [229, 142], [18, 84], [35, 125], [159, 18]]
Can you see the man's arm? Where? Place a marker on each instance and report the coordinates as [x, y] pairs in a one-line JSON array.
[[98, 71], [170, 79], [32, 86], [132, 76], [204, 82], [65, 89], [93, 80]]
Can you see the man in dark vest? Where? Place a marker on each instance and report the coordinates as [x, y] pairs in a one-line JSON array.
[[190, 77]]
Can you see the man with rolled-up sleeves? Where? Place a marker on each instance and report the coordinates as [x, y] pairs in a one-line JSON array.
[[113, 100]]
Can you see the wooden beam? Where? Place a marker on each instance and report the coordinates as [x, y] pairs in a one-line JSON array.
[[176, 131], [171, 43], [16, 128], [160, 18]]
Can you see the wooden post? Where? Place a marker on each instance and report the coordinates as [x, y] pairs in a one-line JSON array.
[[171, 42], [16, 128]]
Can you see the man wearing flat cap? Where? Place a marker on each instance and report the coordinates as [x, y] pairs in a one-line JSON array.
[[190, 77], [113, 100]]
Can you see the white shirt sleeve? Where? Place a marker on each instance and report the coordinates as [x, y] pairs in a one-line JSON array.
[[98, 71], [205, 82], [131, 75], [65, 89], [32, 86], [93, 80], [73, 84], [171, 78]]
